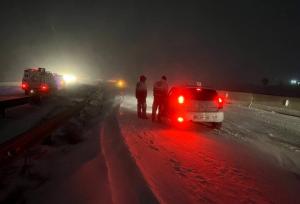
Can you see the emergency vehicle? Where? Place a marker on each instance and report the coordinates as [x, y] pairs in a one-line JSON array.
[[39, 81]]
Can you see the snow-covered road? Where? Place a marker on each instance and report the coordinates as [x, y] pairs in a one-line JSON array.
[[119, 158], [252, 159]]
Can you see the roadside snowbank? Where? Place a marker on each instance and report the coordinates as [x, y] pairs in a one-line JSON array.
[[126, 180], [202, 165], [276, 134], [68, 168]]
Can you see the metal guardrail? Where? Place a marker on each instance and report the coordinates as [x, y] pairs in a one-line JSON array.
[[24, 141], [12, 102]]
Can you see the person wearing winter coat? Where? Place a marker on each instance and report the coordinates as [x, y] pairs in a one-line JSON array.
[[160, 93], [141, 96]]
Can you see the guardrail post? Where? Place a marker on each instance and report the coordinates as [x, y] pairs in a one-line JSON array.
[[26, 164], [250, 104], [286, 102]]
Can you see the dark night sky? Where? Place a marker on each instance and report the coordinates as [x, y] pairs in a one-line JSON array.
[[218, 43]]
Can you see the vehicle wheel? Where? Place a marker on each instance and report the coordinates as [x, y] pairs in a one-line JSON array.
[[217, 125]]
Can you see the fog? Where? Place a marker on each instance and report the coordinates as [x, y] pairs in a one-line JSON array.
[[212, 43]]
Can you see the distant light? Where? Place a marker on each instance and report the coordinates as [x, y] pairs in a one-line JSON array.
[[68, 78], [198, 89], [120, 84], [293, 81]]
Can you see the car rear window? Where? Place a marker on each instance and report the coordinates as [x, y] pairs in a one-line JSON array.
[[194, 93], [202, 95]]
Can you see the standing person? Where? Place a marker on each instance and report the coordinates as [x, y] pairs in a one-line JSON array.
[[141, 95], [160, 93]]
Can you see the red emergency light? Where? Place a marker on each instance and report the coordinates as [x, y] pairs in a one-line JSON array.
[[24, 85], [44, 87]]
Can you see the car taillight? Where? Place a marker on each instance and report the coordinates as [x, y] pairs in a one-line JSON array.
[[180, 99], [180, 119], [220, 102]]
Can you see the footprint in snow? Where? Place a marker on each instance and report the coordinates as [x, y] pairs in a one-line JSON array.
[[154, 148]]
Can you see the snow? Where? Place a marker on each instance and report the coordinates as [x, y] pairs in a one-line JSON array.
[[276, 134], [129, 102], [10, 88], [21, 118], [203, 165], [24, 117], [126, 181], [285, 111], [79, 176], [252, 159], [63, 171], [87, 171]]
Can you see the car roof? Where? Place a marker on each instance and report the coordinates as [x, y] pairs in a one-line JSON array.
[[189, 86]]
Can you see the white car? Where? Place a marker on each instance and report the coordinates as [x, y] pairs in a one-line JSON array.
[[196, 104]]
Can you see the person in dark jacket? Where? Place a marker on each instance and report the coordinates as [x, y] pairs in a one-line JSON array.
[[160, 93], [141, 95]]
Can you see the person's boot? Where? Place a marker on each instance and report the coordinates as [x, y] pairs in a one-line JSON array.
[[159, 118], [139, 115], [153, 118]]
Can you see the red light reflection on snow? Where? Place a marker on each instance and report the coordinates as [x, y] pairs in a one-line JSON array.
[[197, 155]]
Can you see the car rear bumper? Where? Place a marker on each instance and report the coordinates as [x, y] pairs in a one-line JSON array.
[[204, 116]]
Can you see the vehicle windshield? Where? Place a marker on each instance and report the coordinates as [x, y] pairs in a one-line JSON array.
[[202, 94]]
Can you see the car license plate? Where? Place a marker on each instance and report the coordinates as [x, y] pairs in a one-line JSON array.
[[201, 117]]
